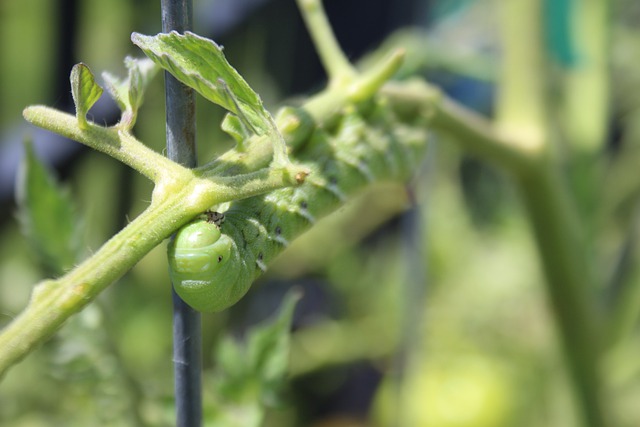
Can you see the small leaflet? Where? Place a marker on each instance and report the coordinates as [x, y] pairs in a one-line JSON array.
[[85, 92], [129, 93]]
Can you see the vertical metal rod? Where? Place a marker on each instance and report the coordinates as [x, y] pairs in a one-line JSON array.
[[187, 324]]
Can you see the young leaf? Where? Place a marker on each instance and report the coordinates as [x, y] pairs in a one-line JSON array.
[[85, 92], [199, 63], [235, 128], [129, 93], [45, 211], [268, 347], [251, 375]]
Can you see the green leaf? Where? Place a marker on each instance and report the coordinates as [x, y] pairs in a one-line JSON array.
[[129, 93], [268, 345], [199, 63], [46, 214], [234, 127], [85, 92], [251, 375]]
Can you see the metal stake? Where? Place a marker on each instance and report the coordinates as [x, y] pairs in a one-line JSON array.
[[181, 147]]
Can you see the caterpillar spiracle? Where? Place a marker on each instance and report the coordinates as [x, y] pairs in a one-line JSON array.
[[213, 262]]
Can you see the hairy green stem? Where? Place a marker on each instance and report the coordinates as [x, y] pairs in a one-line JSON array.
[[53, 301], [120, 145], [324, 106], [335, 62]]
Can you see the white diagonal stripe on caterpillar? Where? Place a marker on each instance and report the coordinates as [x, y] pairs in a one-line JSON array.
[[331, 187], [260, 263], [359, 165], [278, 238]]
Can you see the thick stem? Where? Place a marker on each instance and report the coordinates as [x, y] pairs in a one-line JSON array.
[[53, 301], [586, 103], [555, 226], [471, 131], [569, 284], [521, 103]]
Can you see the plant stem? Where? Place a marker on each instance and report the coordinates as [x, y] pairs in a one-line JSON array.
[[586, 83], [53, 301], [555, 227], [335, 62], [522, 111], [120, 145], [569, 284], [625, 307], [471, 131], [521, 107], [329, 103]]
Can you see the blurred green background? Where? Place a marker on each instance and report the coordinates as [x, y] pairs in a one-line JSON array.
[[414, 314]]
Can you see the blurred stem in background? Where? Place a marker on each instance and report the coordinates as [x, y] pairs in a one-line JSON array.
[[521, 114], [585, 107], [520, 105]]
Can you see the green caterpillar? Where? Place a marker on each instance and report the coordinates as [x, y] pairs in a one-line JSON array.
[[214, 261]]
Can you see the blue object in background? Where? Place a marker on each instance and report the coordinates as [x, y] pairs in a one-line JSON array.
[[558, 32]]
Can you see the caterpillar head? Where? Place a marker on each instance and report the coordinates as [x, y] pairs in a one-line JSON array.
[[202, 268]]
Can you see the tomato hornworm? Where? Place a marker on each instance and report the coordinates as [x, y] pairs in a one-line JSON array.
[[214, 260]]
